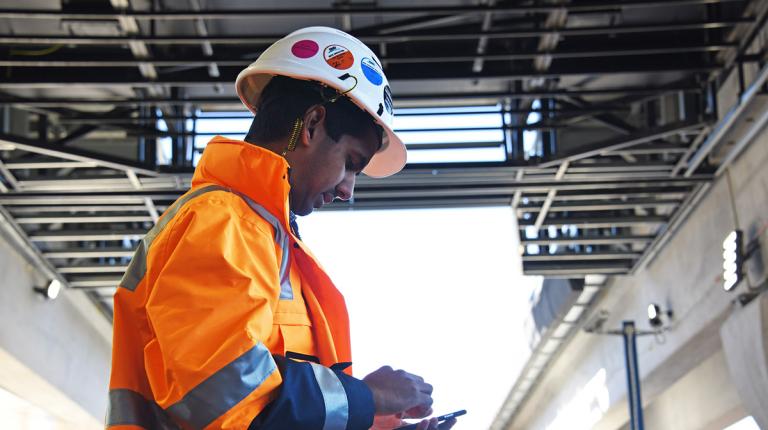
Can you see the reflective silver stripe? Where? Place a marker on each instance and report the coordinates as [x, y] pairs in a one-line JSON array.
[[138, 266], [225, 388], [281, 237], [127, 407], [334, 397]]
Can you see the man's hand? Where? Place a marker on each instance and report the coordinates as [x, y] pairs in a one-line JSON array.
[[396, 391]]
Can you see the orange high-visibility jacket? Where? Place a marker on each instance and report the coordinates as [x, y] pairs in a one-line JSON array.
[[224, 320]]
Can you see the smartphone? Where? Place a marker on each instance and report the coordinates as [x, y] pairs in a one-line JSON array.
[[440, 419]]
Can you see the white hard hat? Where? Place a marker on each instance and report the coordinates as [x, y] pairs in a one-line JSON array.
[[342, 62]]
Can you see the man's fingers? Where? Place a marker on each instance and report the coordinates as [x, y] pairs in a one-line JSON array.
[[430, 424], [420, 411], [426, 401], [427, 388], [416, 378]]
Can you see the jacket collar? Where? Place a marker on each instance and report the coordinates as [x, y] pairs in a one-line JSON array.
[[256, 172]]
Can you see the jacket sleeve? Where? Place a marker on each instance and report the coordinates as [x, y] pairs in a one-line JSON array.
[[216, 287], [314, 397]]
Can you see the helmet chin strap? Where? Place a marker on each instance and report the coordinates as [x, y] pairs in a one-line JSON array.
[[340, 94]]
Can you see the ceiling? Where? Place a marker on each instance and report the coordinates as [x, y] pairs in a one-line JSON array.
[[626, 92]]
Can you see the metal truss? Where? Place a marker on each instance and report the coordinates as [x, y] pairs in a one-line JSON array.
[[84, 213], [349, 10], [609, 176], [249, 39]]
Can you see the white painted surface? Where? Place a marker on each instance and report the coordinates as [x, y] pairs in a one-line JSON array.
[[50, 354], [686, 276]]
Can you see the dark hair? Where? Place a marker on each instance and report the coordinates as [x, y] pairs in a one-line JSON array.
[[285, 99]]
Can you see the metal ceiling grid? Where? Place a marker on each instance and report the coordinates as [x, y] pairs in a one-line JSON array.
[[624, 92]]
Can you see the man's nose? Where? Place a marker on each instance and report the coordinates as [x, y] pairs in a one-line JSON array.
[[346, 187]]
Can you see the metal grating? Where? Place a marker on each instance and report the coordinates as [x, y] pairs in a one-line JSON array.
[[604, 110]]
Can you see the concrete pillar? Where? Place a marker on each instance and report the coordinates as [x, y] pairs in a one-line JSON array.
[[53, 353], [745, 343]]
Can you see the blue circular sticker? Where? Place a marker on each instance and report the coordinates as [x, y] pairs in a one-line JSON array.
[[372, 71]]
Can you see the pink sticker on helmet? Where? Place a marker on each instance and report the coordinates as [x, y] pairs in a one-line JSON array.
[[305, 48]]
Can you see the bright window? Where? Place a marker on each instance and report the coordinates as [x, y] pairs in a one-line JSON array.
[[747, 423], [436, 292], [419, 129]]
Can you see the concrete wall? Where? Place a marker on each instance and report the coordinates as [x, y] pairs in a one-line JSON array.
[[54, 354], [686, 276]]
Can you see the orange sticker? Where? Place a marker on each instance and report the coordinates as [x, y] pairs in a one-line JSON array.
[[338, 57]]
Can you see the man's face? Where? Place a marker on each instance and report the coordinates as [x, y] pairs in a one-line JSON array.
[[322, 169]]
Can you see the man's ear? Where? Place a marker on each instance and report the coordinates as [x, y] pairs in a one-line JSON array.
[[314, 124]]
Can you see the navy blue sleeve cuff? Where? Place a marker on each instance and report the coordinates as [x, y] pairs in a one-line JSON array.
[[300, 403], [360, 398]]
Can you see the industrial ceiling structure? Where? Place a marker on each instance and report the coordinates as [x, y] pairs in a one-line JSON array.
[[621, 97]]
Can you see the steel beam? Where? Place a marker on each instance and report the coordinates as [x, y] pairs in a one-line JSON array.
[[6, 173], [96, 195], [70, 209], [93, 268], [573, 256], [30, 79], [577, 196], [682, 162], [422, 203], [572, 269], [85, 118], [624, 142], [41, 102], [77, 219], [728, 121], [652, 149], [600, 222], [49, 165], [550, 197], [454, 58], [457, 145], [73, 154], [747, 139], [600, 205], [250, 39], [84, 235], [647, 167], [587, 240], [57, 198], [349, 10], [94, 281], [89, 253]]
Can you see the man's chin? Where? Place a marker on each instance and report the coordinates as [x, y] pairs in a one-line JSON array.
[[304, 211]]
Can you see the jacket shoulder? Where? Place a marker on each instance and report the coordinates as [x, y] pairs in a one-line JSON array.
[[225, 205]]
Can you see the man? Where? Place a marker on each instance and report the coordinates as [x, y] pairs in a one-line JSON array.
[[224, 319]]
